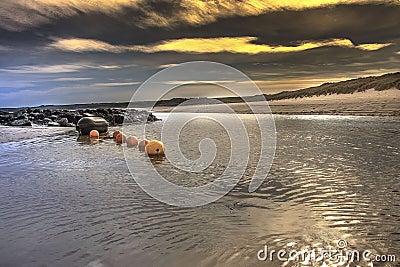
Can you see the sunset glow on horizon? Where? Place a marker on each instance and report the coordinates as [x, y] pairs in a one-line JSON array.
[[101, 51]]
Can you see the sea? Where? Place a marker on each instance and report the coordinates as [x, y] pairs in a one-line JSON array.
[[333, 187]]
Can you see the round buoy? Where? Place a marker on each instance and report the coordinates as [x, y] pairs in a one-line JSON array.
[[94, 134], [120, 138], [115, 133], [132, 141], [155, 147], [142, 144]]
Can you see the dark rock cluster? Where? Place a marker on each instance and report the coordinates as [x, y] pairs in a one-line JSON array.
[[69, 118]]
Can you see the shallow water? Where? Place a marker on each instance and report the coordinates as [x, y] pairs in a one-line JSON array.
[[65, 202]]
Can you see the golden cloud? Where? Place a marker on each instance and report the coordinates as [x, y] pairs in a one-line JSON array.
[[372, 47], [205, 11], [87, 45], [237, 45]]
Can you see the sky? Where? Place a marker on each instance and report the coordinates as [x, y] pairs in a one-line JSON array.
[[79, 51]]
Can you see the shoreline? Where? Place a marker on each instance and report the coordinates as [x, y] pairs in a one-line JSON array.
[[368, 103], [10, 134], [14, 134], [322, 113]]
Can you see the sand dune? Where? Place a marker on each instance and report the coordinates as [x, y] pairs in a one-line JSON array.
[[369, 102]]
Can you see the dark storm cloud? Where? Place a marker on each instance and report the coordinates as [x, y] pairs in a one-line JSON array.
[[31, 66], [360, 23]]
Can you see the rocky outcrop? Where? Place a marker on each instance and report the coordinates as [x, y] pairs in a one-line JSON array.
[[21, 122], [69, 118]]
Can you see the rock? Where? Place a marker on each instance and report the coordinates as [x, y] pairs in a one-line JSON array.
[[101, 111], [4, 119], [53, 124], [47, 112], [21, 122], [69, 118], [38, 116], [22, 116], [118, 119], [151, 117], [63, 122], [77, 118]]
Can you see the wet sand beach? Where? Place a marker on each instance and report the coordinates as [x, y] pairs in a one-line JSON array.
[[69, 202], [14, 134]]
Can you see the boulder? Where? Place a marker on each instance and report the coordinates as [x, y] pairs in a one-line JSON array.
[[22, 116], [118, 118], [5, 119], [47, 112], [71, 117], [38, 116], [63, 122]]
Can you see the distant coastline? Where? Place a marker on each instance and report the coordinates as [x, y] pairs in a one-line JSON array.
[[368, 96], [368, 103]]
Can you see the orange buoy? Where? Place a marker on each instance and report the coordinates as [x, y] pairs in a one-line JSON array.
[[155, 147], [143, 144], [131, 141], [115, 133], [94, 134], [120, 138]]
